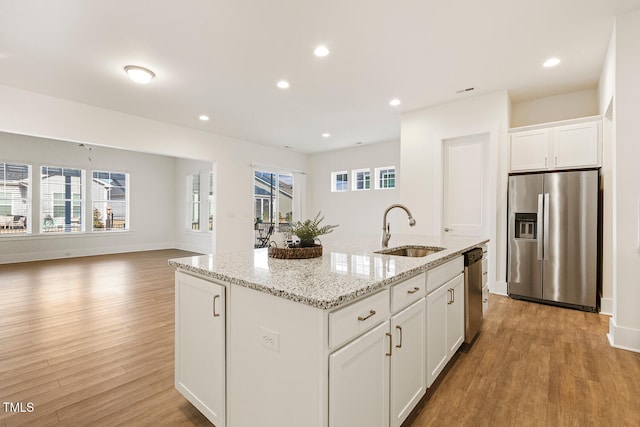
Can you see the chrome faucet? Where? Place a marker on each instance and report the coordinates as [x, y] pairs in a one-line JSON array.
[[386, 227]]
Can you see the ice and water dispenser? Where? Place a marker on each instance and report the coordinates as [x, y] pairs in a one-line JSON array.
[[526, 225]]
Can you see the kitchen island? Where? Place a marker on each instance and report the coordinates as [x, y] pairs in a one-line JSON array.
[[353, 337]]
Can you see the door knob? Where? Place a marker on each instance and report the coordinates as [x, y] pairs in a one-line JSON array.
[[446, 229]]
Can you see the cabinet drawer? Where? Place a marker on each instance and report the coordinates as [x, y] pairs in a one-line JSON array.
[[443, 273], [352, 320], [404, 293], [485, 299]]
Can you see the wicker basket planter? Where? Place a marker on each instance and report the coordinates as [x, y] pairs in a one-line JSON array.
[[295, 253]]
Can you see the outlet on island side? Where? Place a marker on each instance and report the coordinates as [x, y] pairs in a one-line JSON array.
[[269, 339]]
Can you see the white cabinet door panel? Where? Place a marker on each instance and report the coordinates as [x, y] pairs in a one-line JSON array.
[[200, 345], [408, 379], [455, 315], [576, 145], [359, 381], [529, 150], [437, 354]]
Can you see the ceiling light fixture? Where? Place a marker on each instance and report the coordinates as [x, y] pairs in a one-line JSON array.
[[203, 117], [394, 102], [326, 135], [283, 84], [321, 51], [551, 62], [139, 75]]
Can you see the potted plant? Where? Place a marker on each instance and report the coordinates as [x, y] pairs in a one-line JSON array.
[[308, 232]]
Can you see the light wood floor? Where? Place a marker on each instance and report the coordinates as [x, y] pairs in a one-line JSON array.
[[90, 342]]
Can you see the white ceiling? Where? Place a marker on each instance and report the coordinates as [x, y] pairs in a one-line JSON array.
[[223, 58]]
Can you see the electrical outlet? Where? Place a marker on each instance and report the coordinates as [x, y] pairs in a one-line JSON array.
[[270, 339]]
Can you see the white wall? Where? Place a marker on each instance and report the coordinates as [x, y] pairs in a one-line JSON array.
[[202, 240], [422, 133], [28, 113], [624, 328], [152, 190], [566, 106], [357, 212]]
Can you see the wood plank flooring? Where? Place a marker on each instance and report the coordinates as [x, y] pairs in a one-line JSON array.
[[90, 342]]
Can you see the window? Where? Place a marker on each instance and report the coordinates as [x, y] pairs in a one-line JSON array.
[[339, 181], [15, 198], [61, 201], [193, 193], [273, 198], [385, 177], [210, 200], [110, 197], [361, 179]]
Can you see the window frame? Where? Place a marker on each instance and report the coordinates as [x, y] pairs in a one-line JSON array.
[[26, 211], [62, 229], [343, 183], [366, 182], [379, 179], [106, 201]]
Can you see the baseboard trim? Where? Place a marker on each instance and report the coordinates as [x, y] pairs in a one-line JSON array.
[[81, 252], [623, 338], [606, 306]]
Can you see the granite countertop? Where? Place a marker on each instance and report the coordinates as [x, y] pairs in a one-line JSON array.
[[346, 270]]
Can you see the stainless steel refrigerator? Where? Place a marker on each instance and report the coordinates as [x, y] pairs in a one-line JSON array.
[[553, 238]]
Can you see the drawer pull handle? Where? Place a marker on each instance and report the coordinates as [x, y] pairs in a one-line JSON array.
[[400, 344], [215, 297], [371, 313], [451, 297], [413, 291]]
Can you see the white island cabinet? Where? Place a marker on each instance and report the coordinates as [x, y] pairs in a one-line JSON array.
[[270, 342], [200, 345]]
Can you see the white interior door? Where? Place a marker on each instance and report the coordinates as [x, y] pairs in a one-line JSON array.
[[465, 178]]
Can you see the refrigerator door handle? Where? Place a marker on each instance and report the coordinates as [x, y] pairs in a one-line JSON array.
[[546, 226], [539, 241]]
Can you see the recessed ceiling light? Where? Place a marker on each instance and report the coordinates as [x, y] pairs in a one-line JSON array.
[[139, 75], [326, 135], [203, 117], [283, 84], [551, 62], [394, 102], [321, 51]]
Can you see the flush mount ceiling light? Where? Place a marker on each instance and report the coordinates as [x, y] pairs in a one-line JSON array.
[[139, 75], [394, 102], [321, 51], [203, 117], [551, 62], [326, 135], [283, 84]]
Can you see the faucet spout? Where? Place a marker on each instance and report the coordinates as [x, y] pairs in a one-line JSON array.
[[386, 227]]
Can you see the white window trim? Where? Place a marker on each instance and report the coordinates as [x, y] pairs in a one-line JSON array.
[[377, 178], [334, 182], [354, 179]]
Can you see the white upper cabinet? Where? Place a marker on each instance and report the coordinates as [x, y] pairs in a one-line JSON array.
[[559, 145]]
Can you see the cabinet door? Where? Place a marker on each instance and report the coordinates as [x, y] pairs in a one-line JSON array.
[[529, 150], [576, 145], [437, 354], [359, 381], [200, 345], [455, 315], [408, 379]]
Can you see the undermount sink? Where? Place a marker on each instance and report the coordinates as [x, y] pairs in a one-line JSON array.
[[411, 251]]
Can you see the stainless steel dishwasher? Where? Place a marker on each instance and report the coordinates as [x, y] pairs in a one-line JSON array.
[[472, 294]]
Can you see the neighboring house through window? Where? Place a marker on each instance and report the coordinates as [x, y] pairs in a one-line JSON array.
[[110, 197], [15, 198], [61, 201]]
